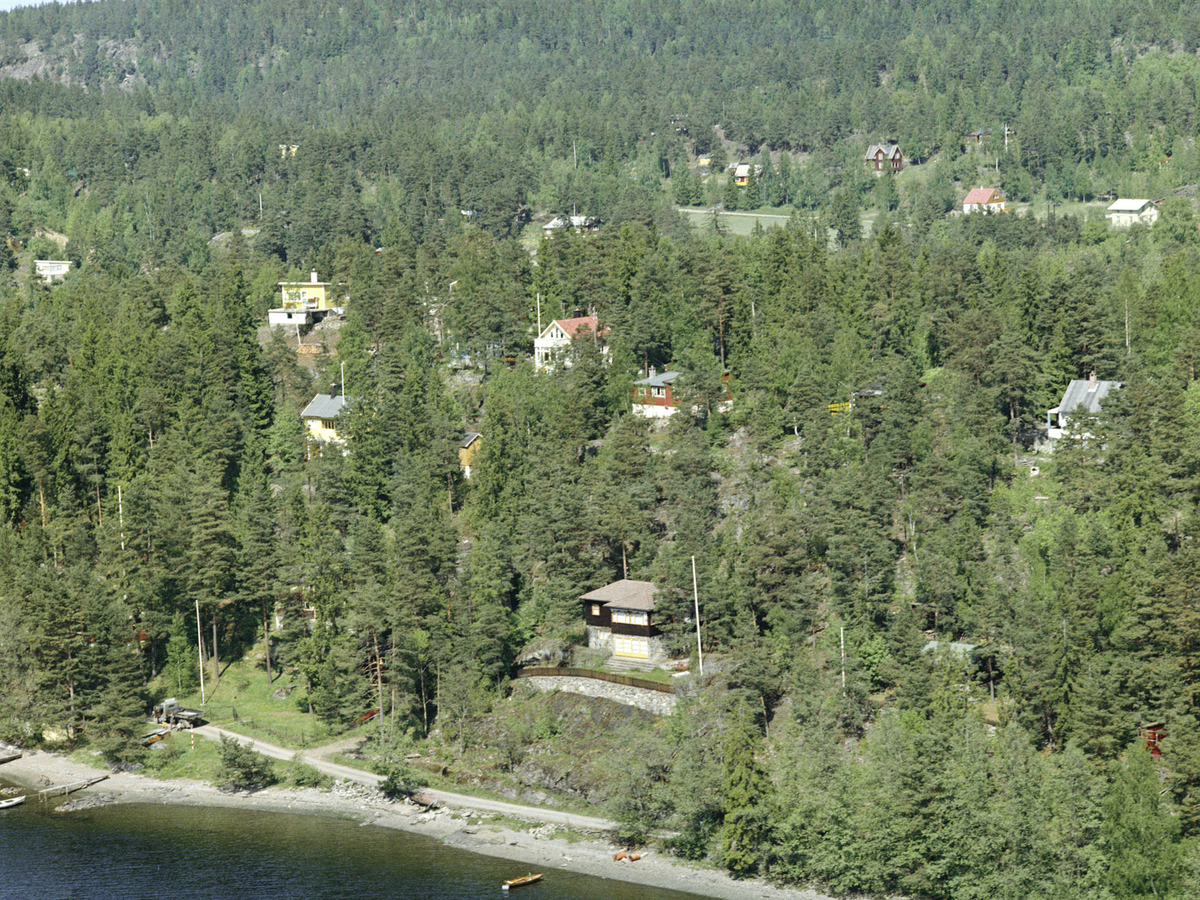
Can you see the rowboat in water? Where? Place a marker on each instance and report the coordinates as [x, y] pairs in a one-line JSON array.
[[15, 801], [523, 880]]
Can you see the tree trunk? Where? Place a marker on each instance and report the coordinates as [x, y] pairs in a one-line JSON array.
[[267, 642], [216, 656], [379, 681]]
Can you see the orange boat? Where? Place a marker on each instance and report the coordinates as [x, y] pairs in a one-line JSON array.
[[519, 882]]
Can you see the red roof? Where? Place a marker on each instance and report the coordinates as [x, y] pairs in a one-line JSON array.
[[580, 325], [983, 195]]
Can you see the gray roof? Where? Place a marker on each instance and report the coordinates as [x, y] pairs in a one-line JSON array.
[[1128, 206], [324, 407], [468, 439], [1088, 394], [889, 150], [660, 380], [625, 594]]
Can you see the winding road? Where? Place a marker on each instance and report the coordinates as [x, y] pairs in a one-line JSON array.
[[315, 759]]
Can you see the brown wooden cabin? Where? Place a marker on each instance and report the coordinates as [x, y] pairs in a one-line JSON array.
[[621, 614]]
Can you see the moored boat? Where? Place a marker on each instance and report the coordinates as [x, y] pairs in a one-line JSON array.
[[523, 880], [14, 801]]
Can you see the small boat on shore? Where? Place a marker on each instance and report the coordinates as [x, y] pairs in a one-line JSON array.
[[15, 801], [519, 882]]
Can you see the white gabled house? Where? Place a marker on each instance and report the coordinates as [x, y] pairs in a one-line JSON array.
[[1081, 396], [556, 339]]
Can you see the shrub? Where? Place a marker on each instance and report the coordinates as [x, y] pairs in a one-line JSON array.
[[301, 774], [400, 781], [246, 768]]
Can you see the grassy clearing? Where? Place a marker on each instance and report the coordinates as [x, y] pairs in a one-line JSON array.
[[244, 701], [739, 223], [183, 755]]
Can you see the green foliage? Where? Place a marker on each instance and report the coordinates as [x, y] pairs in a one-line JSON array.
[[400, 781], [1141, 836], [302, 775], [244, 767], [872, 474], [745, 832]]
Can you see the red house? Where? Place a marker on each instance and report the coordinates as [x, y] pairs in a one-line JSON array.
[[1152, 734], [653, 397]]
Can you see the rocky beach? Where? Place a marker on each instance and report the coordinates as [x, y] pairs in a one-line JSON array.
[[543, 845]]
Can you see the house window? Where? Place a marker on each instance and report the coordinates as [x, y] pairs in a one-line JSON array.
[[628, 617], [637, 647], [595, 609], [660, 392], [327, 424]]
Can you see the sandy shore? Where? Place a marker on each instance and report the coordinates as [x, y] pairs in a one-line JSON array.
[[536, 846]]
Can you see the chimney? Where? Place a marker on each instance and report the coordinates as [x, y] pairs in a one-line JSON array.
[[1092, 378], [314, 276], [653, 371], [333, 389]]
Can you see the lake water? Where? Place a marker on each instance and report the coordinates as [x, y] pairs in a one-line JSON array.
[[176, 852]]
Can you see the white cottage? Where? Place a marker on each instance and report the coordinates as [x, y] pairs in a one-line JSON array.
[[1126, 213], [557, 337], [1080, 396]]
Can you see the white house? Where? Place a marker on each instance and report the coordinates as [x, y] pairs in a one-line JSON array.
[[1079, 395], [51, 270], [983, 200], [578, 223], [557, 336], [1125, 213]]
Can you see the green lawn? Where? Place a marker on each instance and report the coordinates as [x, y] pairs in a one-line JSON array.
[[243, 701], [740, 223]]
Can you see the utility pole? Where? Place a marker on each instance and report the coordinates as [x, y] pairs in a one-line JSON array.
[[200, 649], [843, 636], [696, 600]]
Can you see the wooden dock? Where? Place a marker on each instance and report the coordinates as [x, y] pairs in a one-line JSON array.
[[61, 790]]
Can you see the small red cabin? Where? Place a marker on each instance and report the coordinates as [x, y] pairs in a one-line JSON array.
[[1152, 734]]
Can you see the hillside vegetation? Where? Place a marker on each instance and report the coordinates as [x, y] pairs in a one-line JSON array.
[[156, 490]]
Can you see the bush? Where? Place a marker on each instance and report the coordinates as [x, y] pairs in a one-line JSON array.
[[164, 755], [301, 774], [400, 781], [245, 768]]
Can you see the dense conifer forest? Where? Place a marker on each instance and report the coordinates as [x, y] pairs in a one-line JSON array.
[[154, 467]]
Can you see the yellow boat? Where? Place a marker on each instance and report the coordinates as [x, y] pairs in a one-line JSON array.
[[523, 880]]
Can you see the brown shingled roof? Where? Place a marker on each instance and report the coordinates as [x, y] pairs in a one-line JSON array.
[[625, 594]]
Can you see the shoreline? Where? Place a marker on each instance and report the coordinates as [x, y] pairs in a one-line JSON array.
[[536, 846]]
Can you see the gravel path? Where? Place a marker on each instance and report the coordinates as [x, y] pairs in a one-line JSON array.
[[315, 759]]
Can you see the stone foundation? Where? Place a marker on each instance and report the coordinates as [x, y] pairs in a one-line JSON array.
[[652, 701]]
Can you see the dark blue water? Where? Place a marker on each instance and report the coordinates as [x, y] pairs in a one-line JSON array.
[[175, 852]]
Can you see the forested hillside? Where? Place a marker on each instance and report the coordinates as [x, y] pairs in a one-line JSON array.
[[154, 471]]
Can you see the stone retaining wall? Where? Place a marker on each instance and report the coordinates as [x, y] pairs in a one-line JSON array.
[[651, 701]]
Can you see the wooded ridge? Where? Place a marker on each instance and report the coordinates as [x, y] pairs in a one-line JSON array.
[[947, 661]]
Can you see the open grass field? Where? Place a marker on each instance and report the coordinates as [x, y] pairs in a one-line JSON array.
[[740, 223], [243, 701]]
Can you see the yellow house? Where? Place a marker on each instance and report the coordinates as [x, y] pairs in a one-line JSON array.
[[468, 448], [304, 302], [320, 421]]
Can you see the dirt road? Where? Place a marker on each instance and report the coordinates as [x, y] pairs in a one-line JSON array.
[[315, 759]]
